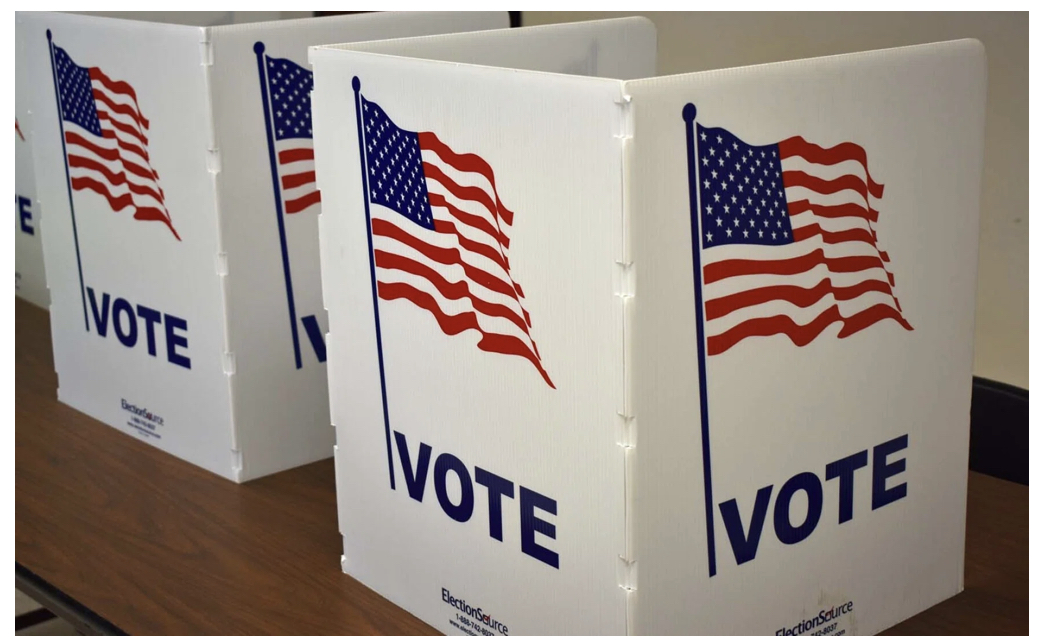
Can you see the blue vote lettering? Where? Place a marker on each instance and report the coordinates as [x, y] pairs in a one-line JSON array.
[[532, 504], [123, 318], [746, 540], [23, 208], [314, 333]]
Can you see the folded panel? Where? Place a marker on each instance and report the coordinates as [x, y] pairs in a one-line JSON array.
[[471, 229], [805, 239], [120, 136]]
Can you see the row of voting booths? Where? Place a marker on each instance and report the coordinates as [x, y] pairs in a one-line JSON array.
[[595, 350]]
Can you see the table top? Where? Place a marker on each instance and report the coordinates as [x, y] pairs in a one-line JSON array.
[[156, 545]]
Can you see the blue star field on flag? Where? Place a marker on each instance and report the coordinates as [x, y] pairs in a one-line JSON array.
[[396, 176], [290, 87], [76, 93], [740, 191]]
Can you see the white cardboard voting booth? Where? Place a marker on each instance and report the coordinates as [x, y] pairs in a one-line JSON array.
[[181, 237], [613, 353], [29, 281]]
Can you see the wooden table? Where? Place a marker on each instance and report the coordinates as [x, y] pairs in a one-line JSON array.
[[153, 545]]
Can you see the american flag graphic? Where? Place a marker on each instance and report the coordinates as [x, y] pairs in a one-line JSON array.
[[289, 90], [788, 239], [441, 236], [106, 140]]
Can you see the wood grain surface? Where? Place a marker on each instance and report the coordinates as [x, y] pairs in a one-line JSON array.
[[157, 546]]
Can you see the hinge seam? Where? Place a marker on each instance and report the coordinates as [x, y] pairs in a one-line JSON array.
[[625, 291]]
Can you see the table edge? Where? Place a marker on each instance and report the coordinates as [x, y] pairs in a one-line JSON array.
[[86, 621]]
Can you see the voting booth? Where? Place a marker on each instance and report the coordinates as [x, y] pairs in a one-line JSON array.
[[614, 353], [176, 167], [29, 280]]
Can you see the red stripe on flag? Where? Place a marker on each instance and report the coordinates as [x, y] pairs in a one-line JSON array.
[[152, 213], [444, 226], [823, 186], [790, 266], [287, 156], [114, 179], [109, 134], [451, 290], [833, 210], [117, 203], [797, 146], [112, 155], [474, 194], [297, 179], [122, 126], [117, 87], [303, 202], [123, 109], [454, 325], [444, 256], [802, 335], [799, 296], [469, 219], [466, 162], [71, 137], [81, 183], [838, 237], [840, 211]]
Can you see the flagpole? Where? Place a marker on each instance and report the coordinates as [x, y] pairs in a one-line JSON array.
[[68, 179], [258, 48], [689, 114], [356, 84]]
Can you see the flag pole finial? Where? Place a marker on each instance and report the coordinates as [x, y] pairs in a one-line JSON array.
[[258, 47], [356, 84], [690, 112], [48, 35]]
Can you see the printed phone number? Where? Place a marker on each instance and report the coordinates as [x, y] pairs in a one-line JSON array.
[[827, 631]]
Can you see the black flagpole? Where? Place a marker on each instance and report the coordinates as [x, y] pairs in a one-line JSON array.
[[689, 114], [68, 180], [356, 84], [258, 48]]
